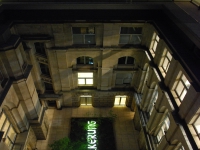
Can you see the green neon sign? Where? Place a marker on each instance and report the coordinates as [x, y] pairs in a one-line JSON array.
[[91, 135]]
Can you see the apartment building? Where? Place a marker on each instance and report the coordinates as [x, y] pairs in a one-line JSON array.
[[143, 55]]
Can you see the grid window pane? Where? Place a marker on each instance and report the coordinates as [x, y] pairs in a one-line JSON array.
[[179, 88], [154, 46], [89, 39], [81, 81], [117, 100], [85, 75], [78, 39], [89, 81]]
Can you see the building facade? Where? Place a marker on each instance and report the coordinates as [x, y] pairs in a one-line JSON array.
[[141, 55]]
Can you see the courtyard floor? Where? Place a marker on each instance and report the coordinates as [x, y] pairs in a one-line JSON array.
[[125, 134]]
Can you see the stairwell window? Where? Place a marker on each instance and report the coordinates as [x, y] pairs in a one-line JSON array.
[[180, 88], [83, 35], [85, 78], [130, 35], [40, 49], [165, 62], [154, 44]]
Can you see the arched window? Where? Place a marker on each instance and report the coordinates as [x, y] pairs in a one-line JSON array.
[[126, 60], [84, 60]]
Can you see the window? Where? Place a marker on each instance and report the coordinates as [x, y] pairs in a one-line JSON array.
[[9, 134], [83, 35], [48, 86], [163, 129], [126, 60], [181, 87], [120, 100], [86, 100], [130, 35], [1, 77], [123, 78], [153, 101], [40, 49], [84, 60], [44, 69], [197, 126], [85, 78], [165, 62], [154, 44]]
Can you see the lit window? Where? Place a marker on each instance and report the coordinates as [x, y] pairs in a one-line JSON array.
[[9, 132], [153, 101], [86, 100], [163, 129], [85, 78], [181, 87], [84, 60], [165, 62], [126, 60], [130, 35], [83, 35], [120, 100], [155, 43], [197, 125]]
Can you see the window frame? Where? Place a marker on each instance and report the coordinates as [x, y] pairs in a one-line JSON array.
[[154, 45], [126, 60], [6, 137], [131, 35], [84, 58], [120, 100], [87, 102], [164, 58], [85, 79], [183, 90], [84, 36], [40, 47], [162, 128]]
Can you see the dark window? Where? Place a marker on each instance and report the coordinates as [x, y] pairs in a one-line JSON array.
[[126, 60], [131, 30], [130, 35], [44, 69], [40, 49], [24, 46], [83, 35], [84, 60], [48, 86], [1, 77]]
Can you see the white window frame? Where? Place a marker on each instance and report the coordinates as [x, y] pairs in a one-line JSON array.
[[154, 44], [163, 129], [85, 79], [165, 62], [181, 86]]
